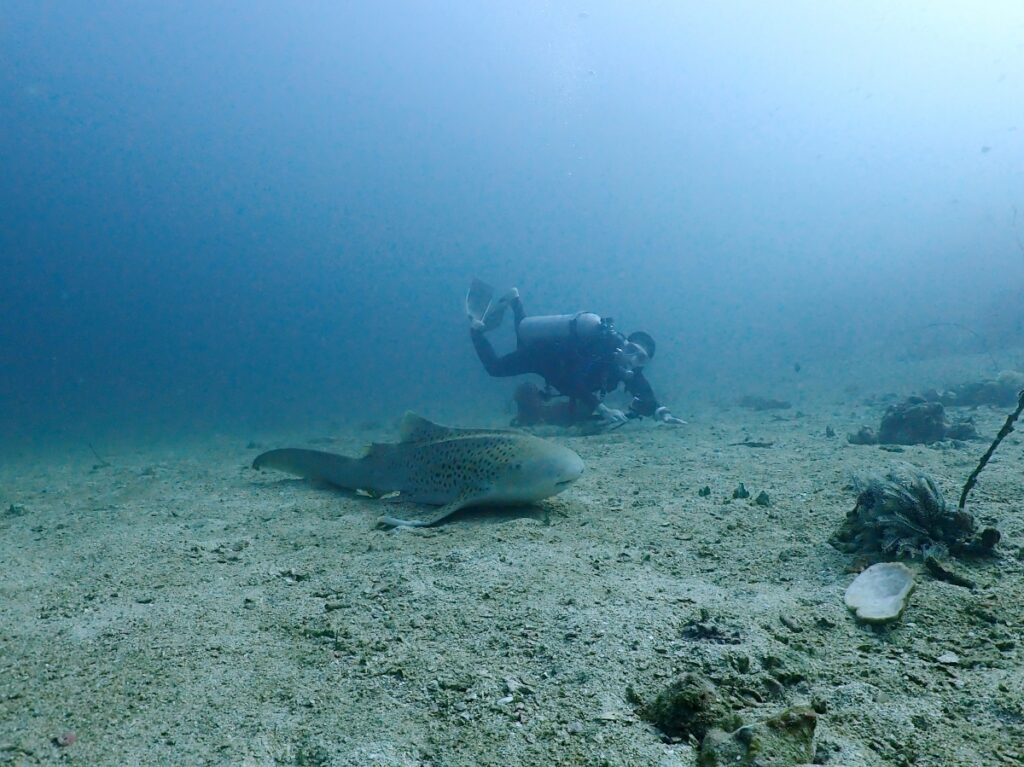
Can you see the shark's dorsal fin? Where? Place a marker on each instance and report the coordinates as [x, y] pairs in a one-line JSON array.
[[416, 428]]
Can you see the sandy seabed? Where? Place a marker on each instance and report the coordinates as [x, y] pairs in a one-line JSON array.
[[178, 608]]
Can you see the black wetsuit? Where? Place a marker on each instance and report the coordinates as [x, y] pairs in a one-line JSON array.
[[582, 371]]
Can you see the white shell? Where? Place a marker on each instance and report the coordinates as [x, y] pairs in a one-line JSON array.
[[880, 593]]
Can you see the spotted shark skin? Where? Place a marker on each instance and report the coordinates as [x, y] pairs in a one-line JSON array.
[[442, 466]]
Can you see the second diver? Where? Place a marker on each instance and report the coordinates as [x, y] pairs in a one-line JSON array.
[[580, 356]]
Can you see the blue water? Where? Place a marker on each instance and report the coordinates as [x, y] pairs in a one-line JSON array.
[[223, 216]]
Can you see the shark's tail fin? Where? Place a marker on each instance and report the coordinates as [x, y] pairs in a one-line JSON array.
[[315, 464]]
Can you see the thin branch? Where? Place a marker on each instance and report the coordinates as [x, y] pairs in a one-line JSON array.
[[103, 463], [1007, 428]]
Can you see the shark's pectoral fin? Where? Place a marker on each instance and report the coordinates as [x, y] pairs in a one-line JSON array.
[[436, 516]]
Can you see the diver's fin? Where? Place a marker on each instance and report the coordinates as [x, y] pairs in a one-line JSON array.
[[478, 299], [482, 306], [495, 313]]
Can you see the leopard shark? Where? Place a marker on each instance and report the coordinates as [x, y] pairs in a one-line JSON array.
[[441, 466]]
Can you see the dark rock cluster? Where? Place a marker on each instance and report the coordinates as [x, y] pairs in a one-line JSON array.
[[914, 421], [1001, 391]]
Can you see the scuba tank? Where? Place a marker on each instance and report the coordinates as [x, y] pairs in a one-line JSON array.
[[562, 328]]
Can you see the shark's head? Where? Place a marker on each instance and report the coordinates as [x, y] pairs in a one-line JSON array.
[[535, 469]]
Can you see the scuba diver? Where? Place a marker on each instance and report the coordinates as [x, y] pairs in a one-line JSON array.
[[580, 356]]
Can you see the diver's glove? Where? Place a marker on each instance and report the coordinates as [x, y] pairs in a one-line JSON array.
[[664, 416], [610, 415]]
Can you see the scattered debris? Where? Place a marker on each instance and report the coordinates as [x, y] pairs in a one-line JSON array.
[[942, 573], [705, 491], [705, 628], [863, 436], [65, 739], [740, 492], [763, 403], [751, 443], [762, 499], [963, 429], [880, 593], [688, 706], [830, 432], [15, 510], [291, 575], [791, 624], [780, 741]]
